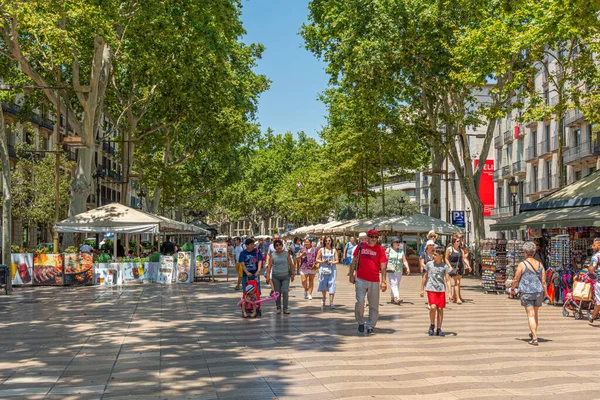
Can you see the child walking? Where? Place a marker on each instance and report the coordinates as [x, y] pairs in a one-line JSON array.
[[435, 280]]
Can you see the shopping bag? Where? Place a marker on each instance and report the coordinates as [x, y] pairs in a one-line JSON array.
[[582, 291]]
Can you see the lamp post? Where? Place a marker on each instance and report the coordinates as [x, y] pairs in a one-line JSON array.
[[141, 194], [514, 188], [468, 212], [401, 202], [99, 174]]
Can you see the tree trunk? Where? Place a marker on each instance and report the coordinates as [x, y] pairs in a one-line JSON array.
[[6, 201], [435, 188]]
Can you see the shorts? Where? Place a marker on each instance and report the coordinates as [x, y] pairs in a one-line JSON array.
[[308, 271], [239, 267], [531, 299], [436, 298], [457, 271]]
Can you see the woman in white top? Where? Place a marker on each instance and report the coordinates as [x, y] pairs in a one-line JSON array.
[[327, 258], [396, 264]]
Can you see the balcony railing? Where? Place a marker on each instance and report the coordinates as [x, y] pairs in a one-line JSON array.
[[543, 148], [500, 212], [506, 171], [508, 136], [424, 201], [497, 142], [497, 174], [573, 116], [519, 167], [532, 153], [576, 153]]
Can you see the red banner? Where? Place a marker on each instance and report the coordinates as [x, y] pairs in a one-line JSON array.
[[486, 187]]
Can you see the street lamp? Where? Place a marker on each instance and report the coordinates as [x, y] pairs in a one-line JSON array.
[[468, 213], [513, 185], [141, 194], [401, 202], [514, 188]]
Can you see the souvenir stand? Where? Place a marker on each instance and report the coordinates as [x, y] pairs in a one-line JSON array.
[[564, 225], [494, 265], [514, 256]]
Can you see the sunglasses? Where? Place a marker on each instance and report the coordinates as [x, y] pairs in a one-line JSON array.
[[278, 245], [372, 237]]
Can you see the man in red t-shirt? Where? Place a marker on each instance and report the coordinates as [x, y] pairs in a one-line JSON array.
[[368, 263]]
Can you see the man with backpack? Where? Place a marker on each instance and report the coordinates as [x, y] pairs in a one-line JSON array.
[[367, 270], [252, 263]]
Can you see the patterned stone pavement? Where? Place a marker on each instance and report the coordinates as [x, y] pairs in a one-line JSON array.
[[189, 342]]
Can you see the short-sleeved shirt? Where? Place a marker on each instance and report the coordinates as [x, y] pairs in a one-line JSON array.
[[425, 257], [436, 276], [238, 250], [308, 261], [395, 259], [350, 249], [369, 263], [251, 260]]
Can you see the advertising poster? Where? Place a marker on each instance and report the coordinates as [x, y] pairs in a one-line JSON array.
[[203, 255], [219, 267], [78, 269], [184, 267], [21, 269], [165, 272], [106, 274], [140, 272], [48, 269], [486, 187]]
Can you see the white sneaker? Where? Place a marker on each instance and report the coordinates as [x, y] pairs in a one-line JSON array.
[[309, 297], [305, 294]]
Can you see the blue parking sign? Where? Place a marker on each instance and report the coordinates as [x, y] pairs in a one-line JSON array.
[[458, 218]]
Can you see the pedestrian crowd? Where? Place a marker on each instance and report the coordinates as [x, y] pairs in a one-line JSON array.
[[372, 266]]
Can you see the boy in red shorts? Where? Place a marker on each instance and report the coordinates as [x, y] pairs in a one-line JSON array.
[[435, 280]]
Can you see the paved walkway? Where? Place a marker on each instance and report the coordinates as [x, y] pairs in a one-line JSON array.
[[189, 342]]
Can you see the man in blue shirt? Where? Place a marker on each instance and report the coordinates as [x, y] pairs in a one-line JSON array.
[[253, 261]]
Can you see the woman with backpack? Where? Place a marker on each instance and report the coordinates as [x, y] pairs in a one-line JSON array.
[[531, 280], [327, 258], [396, 264], [457, 260]]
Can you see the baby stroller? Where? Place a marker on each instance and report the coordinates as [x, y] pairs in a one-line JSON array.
[[578, 304], [252, 282]]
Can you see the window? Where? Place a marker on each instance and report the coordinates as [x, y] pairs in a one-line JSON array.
[[577, 175], [547, 133], [520, 149], [500, 197], [592, 170], [499, 158], [534, 178], [509, 154], [546, 96], [577, 137], [426, 194]]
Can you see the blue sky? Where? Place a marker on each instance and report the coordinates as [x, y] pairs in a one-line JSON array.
[[297, 76]]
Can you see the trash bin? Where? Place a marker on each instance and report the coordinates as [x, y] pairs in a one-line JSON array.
[[4, 276]]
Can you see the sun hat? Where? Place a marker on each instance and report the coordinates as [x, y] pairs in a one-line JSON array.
[[362, 234], [430, 243], [372, 232], [395, 240], [432, 233], [249, 289]]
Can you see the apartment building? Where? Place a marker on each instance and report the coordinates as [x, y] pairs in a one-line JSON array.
[[528, 152], [37, 130]]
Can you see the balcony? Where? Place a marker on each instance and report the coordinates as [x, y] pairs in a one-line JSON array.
[[573, 117], [578, 153], [497, 174], [532, 153], [533, 186], [502, 212], [519, 167], [508, 135], [425, 201], [543, 148], [506, 171], [497, 142]]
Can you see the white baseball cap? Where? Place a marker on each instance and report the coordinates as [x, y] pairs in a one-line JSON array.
[[362, 234], [430, 242]]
